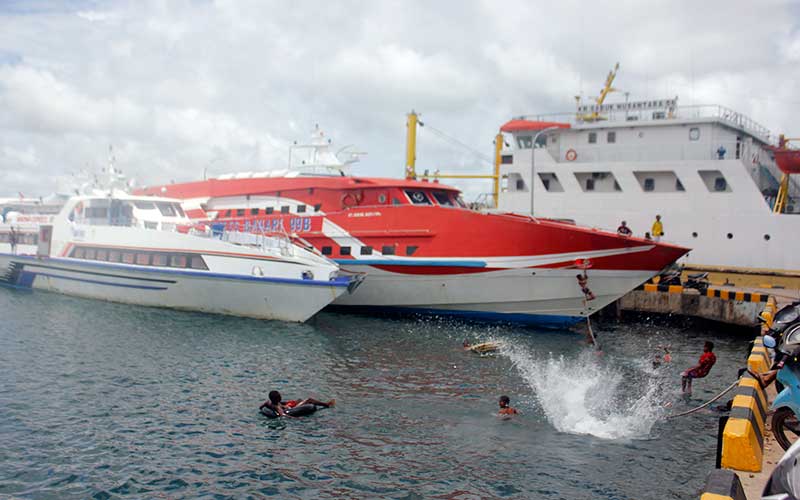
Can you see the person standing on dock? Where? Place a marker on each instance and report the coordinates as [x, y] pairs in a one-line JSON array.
[[658, 229], [707, 360]]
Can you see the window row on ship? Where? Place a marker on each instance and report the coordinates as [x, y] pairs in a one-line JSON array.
[[140, 258]]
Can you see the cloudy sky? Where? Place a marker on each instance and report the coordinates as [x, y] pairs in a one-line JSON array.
[[182, 86]]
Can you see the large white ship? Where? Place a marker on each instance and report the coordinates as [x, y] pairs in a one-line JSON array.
[[708, 171]]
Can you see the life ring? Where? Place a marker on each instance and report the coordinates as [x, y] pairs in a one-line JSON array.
[[297, 411], [351, 199], [571, 155]]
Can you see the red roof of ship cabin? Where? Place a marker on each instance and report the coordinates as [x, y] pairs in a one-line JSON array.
[[520, 125]]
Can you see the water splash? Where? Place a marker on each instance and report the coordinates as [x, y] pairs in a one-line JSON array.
[[584, 395]]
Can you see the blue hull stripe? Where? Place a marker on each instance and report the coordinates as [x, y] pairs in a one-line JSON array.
[[95, 282], [543, 320], [341, 281], [412, 263]]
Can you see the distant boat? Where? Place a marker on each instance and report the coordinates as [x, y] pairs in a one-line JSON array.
[[143, 250], [422, 249]]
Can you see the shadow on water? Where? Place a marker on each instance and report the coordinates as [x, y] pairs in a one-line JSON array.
[[103, 400]]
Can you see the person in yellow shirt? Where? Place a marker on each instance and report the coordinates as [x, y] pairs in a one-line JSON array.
[[658, 229]]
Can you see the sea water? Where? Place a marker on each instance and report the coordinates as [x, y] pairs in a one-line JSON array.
[[102, 400]]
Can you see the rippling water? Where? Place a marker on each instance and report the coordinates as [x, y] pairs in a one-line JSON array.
[[107, 401]]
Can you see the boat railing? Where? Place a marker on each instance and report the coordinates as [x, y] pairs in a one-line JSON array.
[[633, 116]]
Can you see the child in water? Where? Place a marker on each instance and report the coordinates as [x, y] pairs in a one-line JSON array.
[[505, 407]]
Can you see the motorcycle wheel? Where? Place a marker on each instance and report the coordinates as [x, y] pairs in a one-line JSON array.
[[785, 427]]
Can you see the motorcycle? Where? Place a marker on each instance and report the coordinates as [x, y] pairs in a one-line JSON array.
[[786, 407], [783, 319], [698, 281]]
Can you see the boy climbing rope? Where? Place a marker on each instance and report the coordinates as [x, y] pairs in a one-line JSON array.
[[583, 282]]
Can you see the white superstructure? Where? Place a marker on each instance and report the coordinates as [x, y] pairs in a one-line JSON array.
[[143, 250], [707, 170]]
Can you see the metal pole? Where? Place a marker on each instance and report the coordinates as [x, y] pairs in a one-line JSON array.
[[533, 159]]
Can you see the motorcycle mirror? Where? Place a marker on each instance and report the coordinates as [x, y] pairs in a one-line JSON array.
[[769, 341]]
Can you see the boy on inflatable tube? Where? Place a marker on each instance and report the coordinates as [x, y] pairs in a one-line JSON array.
[[280, 408]]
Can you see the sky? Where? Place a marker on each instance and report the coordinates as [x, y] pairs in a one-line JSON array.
[[183, 87]]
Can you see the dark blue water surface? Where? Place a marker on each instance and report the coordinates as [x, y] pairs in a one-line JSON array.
[[107, 401]]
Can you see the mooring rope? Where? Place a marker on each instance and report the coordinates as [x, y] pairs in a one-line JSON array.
[[707, 402]]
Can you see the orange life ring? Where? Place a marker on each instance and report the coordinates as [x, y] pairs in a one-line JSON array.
[[571, 155]]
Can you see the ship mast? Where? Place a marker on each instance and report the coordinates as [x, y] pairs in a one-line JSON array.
[[594, 115]]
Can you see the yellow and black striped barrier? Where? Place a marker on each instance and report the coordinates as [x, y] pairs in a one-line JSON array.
[[743, 436], [736, 295], [717, 293], [723, 484], [653, 287]]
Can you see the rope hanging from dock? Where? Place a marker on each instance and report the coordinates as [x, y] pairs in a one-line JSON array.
[[707, 402]]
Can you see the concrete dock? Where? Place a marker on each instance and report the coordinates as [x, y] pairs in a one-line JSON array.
[[749, 452]]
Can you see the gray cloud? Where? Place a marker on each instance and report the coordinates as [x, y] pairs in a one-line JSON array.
[[179, 87]]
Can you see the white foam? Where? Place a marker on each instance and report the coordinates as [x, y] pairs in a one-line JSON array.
[[584, 395]]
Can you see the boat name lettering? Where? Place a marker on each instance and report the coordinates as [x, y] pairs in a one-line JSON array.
[[297, 224], [364, 214]]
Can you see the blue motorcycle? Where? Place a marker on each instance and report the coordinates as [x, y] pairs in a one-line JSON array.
[[785, 424]]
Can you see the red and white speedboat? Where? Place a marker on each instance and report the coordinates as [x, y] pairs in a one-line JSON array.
[[421, 248]]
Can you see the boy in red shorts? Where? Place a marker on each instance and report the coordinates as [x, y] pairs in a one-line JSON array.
[[707, 360]]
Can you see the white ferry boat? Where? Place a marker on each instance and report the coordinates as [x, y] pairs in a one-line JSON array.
[[708, 171], [138, 250]]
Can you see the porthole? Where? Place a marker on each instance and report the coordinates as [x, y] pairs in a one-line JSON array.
[[766, 237], [730, 236], [694, 235]]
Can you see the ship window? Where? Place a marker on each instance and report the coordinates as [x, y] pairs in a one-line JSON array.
[[197, 262], [96, 212], [301, 209], [143, 259], [269, 210], [714, 180], [78, 253], [395, 201], [592, 137], [180, 210], [327, 250], [102, 254], [318, 207], [228, 213], [524, 142], [344, 251], [254, 211], [388, 250], [90, 253], [515, 183], [417, 197], [366, 250], [285, 209], [240, 212], [507, 159], [550, 182], [611, 138], [128, 257], [177, 261], [599, 182], [144, 205], [694, 134], [114, 256], [160, 259], [442, 198], [166, 209], [663, 181], [410, 249]]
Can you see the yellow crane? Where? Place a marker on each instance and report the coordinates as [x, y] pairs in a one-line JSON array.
[[411, 158], [607, 89]]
